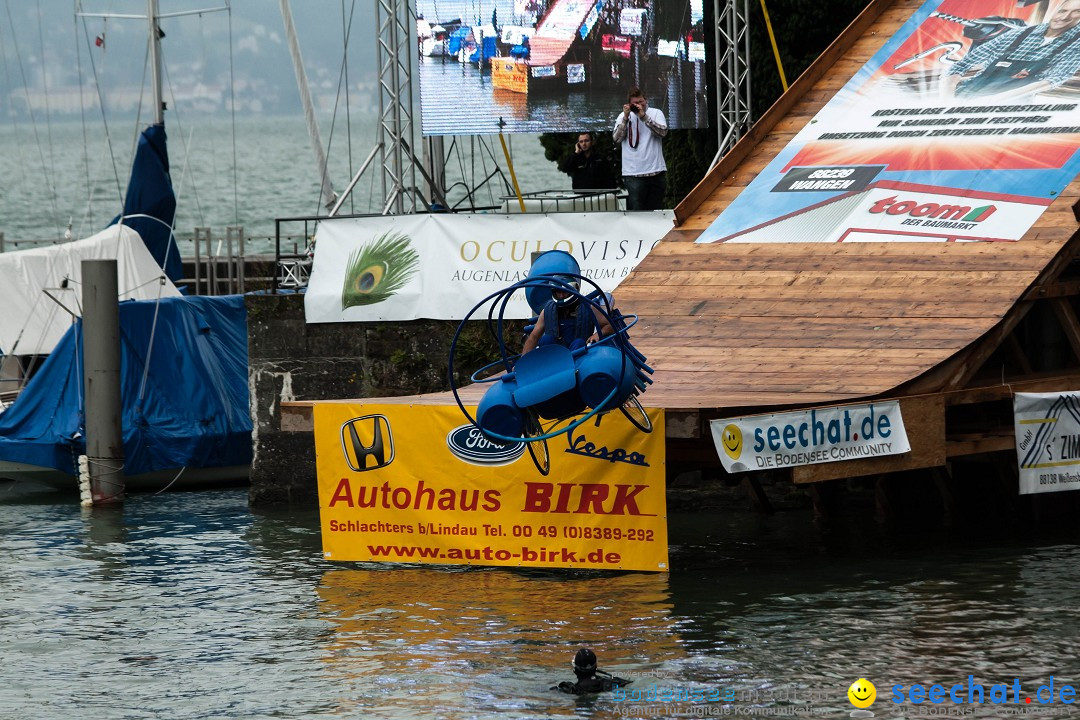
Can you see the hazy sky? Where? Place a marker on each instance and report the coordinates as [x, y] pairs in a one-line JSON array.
[[42, 42]]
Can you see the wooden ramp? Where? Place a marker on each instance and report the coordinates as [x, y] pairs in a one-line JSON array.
[[740, 328], [948, 329]]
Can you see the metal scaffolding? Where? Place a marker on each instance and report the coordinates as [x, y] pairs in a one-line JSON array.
[[395, 27], [733, 115], [395, 56]]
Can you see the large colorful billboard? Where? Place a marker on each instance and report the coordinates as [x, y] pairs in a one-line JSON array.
[[419, 484], [536, 66], [964, 126]]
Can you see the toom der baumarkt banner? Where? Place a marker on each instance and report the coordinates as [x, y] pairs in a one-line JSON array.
[[1047, 441], [419, 484], [964, 126], [438, 267], [809, 437]]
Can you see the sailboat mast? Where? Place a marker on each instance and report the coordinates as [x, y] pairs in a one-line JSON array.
[[155, 61], [328, 195]]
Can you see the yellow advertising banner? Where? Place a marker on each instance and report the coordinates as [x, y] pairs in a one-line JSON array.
[[419, 484]]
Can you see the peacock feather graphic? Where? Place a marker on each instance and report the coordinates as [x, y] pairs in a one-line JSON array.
[[378, 270]]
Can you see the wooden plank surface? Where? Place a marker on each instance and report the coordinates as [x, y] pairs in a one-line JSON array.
[[743, 326], [738, 327]]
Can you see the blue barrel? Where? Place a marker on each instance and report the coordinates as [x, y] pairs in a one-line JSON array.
[[498, 413], [599, 370]]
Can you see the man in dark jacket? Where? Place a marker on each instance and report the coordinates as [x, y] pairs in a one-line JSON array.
[[589, 678], [586, 168]]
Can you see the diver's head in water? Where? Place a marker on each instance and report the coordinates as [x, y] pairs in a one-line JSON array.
[[584, 663]]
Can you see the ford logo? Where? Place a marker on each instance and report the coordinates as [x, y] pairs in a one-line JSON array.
[[470, 445]]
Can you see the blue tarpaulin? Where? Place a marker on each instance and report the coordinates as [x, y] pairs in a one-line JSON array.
[[457, 39], [485, 51], [150, 192], [193, 411]]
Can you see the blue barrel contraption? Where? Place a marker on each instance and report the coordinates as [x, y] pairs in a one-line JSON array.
[[557, 386]]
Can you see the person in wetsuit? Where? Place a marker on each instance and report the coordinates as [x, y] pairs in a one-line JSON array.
[[567, 321], [589, 678], [1019, 62]]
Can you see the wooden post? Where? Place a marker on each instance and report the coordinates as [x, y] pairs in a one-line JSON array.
[[758, 499], [101, 380], [883, 508], [941, 479], [821, 496]]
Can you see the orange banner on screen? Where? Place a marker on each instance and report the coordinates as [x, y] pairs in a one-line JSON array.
[[418, 484]]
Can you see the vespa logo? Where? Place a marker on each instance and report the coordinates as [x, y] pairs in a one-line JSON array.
[[469, 444], [361, 453], [581, 445]]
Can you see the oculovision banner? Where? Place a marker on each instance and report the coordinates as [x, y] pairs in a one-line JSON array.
[[963, 127], [1047, 429], [808, 437], [419, 484], [440, 266]]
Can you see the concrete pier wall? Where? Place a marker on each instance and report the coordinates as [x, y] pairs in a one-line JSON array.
[[291, 360]]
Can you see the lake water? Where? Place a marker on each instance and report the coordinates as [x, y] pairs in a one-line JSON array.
[[54, 173], [190, 605]]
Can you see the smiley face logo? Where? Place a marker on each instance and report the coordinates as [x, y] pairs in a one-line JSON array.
[[862, 693], [731, 439]]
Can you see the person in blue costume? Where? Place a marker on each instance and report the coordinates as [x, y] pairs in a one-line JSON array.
[[562, 321]]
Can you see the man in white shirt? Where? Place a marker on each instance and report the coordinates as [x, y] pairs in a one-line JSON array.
[[641, 130]]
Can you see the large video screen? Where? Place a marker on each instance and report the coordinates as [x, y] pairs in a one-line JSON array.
[[535, 66]]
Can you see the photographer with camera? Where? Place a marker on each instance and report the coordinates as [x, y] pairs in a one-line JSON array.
[[641, 130]]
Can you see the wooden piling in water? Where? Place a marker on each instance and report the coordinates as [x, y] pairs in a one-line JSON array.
[[101, 380]]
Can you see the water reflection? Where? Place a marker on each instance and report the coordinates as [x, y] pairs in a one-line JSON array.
[[191, 606], [502, 637]]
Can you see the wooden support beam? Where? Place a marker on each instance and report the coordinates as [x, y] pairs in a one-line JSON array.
[[957, 373], [883, 511], [758, 499], [966, 364], [1016, 352], [1062, 288], [1065, 315], [821, 495], [1008, 475], [1000, 440], [942, 479], [989, 393]]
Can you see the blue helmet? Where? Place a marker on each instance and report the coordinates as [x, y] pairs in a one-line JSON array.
[[553, 263], [571, 298]]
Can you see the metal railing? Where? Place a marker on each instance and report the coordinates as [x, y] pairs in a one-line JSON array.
[[208, 270], [292, 269], [558, 201]]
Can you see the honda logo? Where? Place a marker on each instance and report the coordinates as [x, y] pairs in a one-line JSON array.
[[367, 443]]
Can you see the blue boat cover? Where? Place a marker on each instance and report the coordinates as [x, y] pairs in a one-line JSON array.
[[457, 39], [150, 192], [193, 412]]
